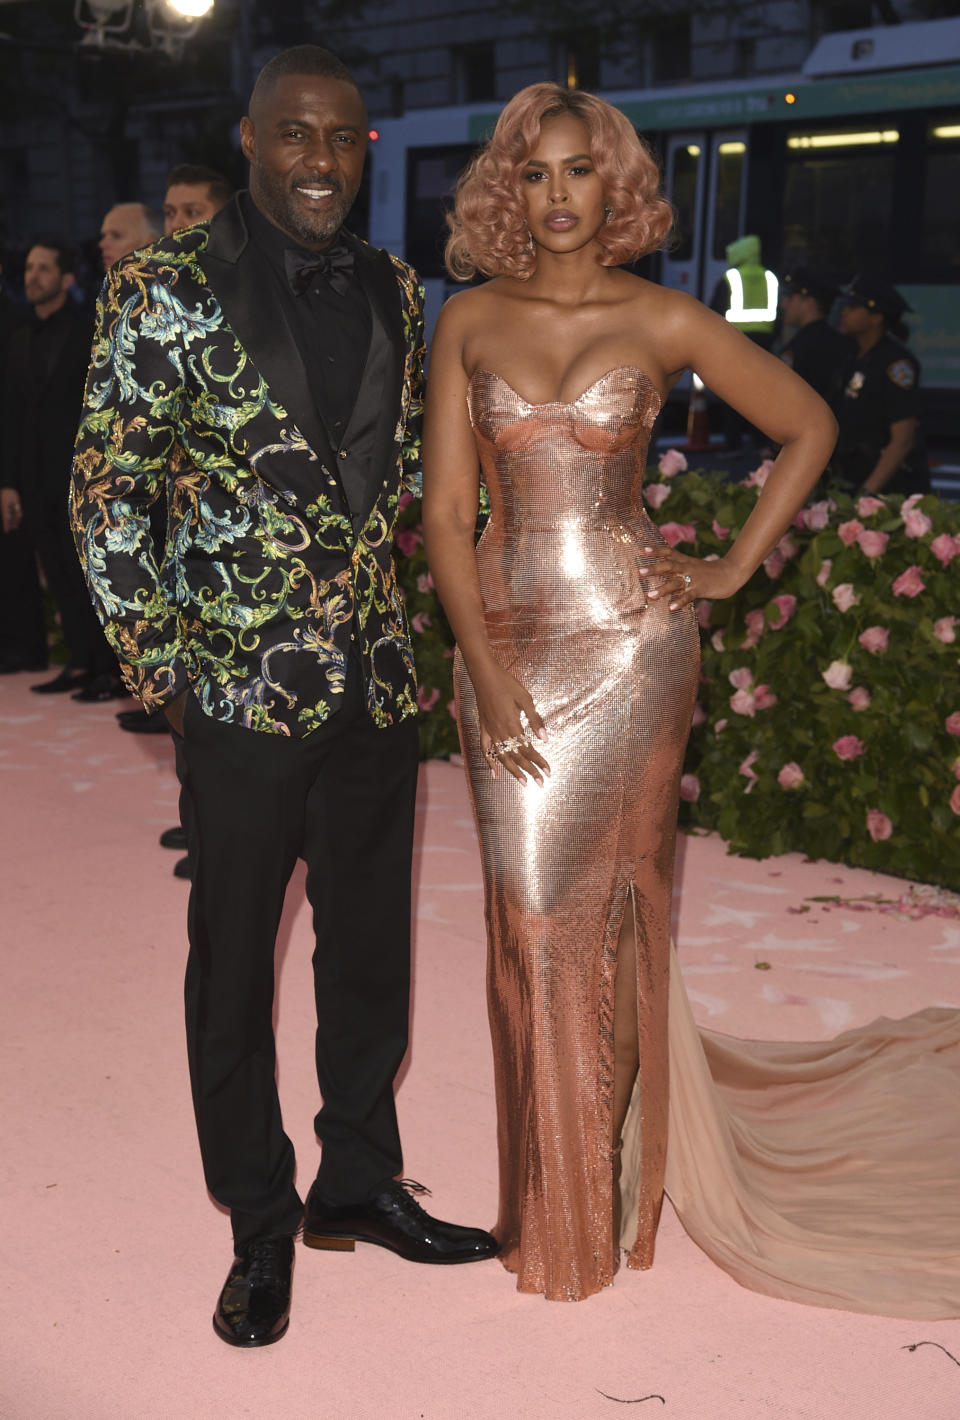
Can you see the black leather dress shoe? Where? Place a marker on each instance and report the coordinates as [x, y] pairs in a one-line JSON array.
[[68, 679], [254, 1306], [101, 687], [395, 1220], [138, 722], [174, 838]]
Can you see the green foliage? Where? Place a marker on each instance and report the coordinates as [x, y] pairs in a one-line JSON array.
[[777, 637]]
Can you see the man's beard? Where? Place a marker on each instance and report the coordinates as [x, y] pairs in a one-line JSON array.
[[279, 204]]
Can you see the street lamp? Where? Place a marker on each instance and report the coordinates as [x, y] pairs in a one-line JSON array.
[[169, 22]]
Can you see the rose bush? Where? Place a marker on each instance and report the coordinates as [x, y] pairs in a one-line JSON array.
[[844, 638]]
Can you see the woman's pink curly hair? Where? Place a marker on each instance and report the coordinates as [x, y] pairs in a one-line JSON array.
[[488, 225]]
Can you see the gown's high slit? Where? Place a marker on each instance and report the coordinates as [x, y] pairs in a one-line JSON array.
[[823, 1172]]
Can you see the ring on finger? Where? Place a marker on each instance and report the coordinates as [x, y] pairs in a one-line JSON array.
[[687, 579]]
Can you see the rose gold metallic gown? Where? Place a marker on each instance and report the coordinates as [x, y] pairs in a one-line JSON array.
[[783, 1164], [614, 677]]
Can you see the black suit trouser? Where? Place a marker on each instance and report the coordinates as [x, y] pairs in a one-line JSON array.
[[252, 803]]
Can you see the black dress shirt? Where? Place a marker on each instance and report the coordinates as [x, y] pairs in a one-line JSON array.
[[331, 329]]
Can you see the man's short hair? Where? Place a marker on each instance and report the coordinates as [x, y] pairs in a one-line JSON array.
[[66, 261], [300, 59], [198, 175]]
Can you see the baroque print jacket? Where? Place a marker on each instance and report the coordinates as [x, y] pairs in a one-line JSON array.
[[196, 396]]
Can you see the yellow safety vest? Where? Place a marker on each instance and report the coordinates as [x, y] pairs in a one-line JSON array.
[[753, 297]]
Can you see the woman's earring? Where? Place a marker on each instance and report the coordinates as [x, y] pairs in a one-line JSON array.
[[531, 244], [608, 214]]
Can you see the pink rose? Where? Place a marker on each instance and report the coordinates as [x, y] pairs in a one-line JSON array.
[[786, 605], [741, 678], [816, 516], [910, 502], [671, 462], [955, 800], [849, 532], [848, 747], [838, 675], [718, 531], [952, 723], [690, 788], [945, 547], [699, 715], [756, 624], [879, 826], [408, 541], [826, 567], [774, 564], [427, 701], [874, 639], [673, 533], [872, 544], [720, 725], [742, 703], [916, 524], [764, 697], [425, 582], [716, 641], [420, 622], [746, 769], [859, 697], [790, 776], [944, 631], [909, 583], [759, 476], [404, 501], [866, 506], [656, 493], [844, 597]]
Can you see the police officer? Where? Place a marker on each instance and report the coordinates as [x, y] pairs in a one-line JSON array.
[[816, 352], [879, 448]]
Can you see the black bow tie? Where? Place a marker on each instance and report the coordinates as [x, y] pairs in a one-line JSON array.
[[335, 266]]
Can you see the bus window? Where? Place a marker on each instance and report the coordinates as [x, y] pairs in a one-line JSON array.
[[838, 199], [431, 178], [938, 227], [730, 157], [683, 193]]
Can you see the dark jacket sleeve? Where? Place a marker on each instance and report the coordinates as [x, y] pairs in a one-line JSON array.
[[126, 446]]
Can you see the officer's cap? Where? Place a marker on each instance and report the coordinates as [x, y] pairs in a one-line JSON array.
[[801, 281], [876, 295]]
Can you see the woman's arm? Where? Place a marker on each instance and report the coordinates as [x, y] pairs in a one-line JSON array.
[[450, 501], [772, 397]]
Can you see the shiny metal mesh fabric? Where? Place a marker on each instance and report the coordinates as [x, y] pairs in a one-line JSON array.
[[614, 677]]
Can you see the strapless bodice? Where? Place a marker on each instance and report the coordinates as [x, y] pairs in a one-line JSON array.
[[551, 461]]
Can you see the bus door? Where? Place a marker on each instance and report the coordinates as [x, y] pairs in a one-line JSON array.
[[685, 172], [725, 206]]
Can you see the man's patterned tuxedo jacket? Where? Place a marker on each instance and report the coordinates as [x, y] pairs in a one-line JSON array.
[[197, 394]]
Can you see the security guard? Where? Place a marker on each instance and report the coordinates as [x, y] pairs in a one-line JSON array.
[[746, 296], [816, 351], [880, 448]]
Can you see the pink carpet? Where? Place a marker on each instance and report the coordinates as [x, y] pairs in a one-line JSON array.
[[113, 1254]]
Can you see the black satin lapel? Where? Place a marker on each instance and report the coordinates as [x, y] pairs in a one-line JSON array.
[[243, 287], [383, 290]]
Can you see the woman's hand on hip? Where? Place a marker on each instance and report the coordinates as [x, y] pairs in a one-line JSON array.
[[681, 580]]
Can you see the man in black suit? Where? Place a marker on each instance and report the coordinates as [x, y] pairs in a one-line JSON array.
[[264, 375], [43, 392]]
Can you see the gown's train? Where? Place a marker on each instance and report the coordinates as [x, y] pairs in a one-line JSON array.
[[824, 1172]]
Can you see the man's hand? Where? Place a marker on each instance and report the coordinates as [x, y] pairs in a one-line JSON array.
[[11, 513], [175, 712]]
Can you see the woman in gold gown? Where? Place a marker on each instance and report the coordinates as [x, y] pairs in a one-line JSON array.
[[575, 676]]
